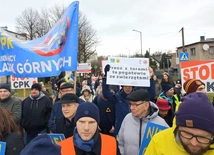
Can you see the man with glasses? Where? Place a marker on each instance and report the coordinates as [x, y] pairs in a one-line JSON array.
[[194, 131], [134, 124]]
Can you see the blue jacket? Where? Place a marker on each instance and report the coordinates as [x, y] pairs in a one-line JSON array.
[[56, 113], [122, 107]]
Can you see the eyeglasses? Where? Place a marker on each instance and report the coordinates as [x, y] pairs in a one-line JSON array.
[[136, 105], [200, 139]]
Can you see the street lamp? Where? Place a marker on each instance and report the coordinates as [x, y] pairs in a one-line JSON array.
[[140, 40]]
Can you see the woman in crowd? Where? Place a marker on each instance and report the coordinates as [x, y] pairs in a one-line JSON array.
[[86, 94], [167, 80], [10, 133]]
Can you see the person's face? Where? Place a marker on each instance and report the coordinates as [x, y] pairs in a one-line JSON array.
[[34, 93], [66, 91], [69, 110], [193, 145], [4, 94], [139, 108], [163, 113], [86, 93], [127, 89], [165, 77], [86, 127], [170, 92], [201, 89]]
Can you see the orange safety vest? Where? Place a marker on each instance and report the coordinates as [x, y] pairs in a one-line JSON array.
[[108, 146]]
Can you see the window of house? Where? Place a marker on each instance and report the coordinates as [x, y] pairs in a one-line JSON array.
[[211, 49], [193, 51]]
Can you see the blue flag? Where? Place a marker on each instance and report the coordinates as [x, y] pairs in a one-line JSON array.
[[46, 56]]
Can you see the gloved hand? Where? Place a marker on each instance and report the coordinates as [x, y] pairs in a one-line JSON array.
[[106, 69]]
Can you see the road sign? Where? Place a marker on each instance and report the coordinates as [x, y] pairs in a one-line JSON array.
[[184, 56], [168, 57]]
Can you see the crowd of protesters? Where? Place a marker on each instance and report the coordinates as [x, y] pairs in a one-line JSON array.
[[97, 118]]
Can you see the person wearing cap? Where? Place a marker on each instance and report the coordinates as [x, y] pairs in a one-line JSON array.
[[66, 124], [194, 85], [10, 103], [134, 124], [36, 110], [194, 132], [164, 110], [41, 145], [119, 100], [56, 111], [168, 94], [87, 95], [86, 138]]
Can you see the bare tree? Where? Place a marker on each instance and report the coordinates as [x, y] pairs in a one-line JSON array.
[[36, 24], [28, 23], [87, 39]]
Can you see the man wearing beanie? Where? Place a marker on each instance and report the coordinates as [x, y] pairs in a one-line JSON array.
[[134, 124], [194, 85], [87, 139], [36, 110], [10, 103], [194, 131]]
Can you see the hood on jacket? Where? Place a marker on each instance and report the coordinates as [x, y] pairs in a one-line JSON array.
[[153, 111], [41, 94], [41, 145]]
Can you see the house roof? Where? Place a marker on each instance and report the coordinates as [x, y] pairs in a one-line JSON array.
[[208, 40]]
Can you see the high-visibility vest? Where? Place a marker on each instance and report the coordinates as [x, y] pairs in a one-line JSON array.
[[108, 146]]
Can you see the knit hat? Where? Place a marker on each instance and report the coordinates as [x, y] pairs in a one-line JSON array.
[[69, 98], [85, 87], [192, 85], [5, 86], [36, 86], [87, 109], [41, 145], [163, 104], [196, 111], [139, 95], [167, 87]]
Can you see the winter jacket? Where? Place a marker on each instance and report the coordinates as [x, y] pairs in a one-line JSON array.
[[14, 105], [122, 107], [90, 99], [14, 143], [165, 143], [133, 128], [35, 113], [107, 114], [65, 126], [56, 113]]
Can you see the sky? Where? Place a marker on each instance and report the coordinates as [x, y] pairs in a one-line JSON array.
[[114, 20]]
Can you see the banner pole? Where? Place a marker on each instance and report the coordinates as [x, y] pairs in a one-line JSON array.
[[75, 82], [24, 93]]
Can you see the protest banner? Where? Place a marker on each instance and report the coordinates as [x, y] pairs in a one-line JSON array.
[[84, 68], [46, 56], [2, 148], [21, 83], [150, 131], [128, 71], [202, 70], [55, 138]]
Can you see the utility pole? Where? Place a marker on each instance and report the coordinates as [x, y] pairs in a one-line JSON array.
[[140, 41], [182, 32]]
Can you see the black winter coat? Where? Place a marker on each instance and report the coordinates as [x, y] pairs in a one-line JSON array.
[[35, 114], [65, 126], [14, 143]]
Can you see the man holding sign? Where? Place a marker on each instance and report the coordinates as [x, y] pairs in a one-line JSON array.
[[134, 124], [194, 133]]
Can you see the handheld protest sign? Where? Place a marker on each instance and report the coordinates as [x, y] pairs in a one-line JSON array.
[[2, 148], [150, 131], [55, 138]]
